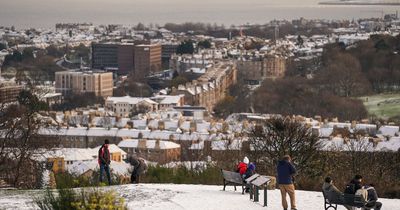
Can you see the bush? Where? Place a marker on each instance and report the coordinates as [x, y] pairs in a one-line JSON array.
[[67, 180], [69, 199], [181, 175]]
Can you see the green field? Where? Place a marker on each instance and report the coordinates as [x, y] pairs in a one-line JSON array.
[[382, 105]]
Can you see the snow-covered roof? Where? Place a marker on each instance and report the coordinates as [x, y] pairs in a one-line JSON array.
[[150, 144], [226, 145], [81, 167], [128, 100], [387, 130], [113, 148]]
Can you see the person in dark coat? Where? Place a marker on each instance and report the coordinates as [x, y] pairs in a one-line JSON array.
[[139, 168], [251, 170], [286, 171], [104, 161], [373, 202], [354, 185]]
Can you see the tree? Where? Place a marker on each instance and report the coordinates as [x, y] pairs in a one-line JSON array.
[[300, 41], [20, 125], [179, 80], [225, 107], [206, 44], [2, 46], [186, 47], [344, 77], [280, 136]]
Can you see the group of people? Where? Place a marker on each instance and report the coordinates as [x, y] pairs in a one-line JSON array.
[[246, 170], [104, 159], [356, 187], [285, 170]]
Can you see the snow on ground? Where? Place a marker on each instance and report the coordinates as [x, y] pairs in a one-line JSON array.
[[190, 197]]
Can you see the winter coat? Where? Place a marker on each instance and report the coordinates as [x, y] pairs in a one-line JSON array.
[[372, 197], [352, 187], [331, 191], [285, 172], [241, 168], [139, 165], [104, 155]]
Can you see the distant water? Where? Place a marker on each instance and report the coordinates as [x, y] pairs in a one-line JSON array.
[[46, 13]]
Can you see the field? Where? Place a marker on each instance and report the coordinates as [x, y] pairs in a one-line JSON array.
[[382, 105]]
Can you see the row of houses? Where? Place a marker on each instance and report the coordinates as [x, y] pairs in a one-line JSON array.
[[125, 106], [210, 88]]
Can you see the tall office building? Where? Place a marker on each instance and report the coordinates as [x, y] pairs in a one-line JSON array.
[[147, 59], [117, 57]]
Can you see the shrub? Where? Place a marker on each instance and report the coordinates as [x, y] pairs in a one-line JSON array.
[[69, 199], [182, 175]]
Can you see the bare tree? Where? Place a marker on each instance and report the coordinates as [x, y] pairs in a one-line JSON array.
[[280, 136]]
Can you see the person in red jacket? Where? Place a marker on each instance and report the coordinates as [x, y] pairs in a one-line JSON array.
[[104, 161], [242, 167]]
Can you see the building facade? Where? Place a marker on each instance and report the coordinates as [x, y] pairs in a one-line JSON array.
[[153, 150], [77, 82], [113, 56], [9, 94], [257, 69], [147, 59]]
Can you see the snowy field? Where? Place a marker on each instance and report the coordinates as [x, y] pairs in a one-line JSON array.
[[190, 197]]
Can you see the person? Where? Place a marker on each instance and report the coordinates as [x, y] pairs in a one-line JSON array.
[[104, 161], [354, 185], [332, 192], [372, 198], [139, 168], [249, 172], [242, 167], [286, 171]]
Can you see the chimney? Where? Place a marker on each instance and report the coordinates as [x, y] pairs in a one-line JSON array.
[[142, 144], [157, 145]]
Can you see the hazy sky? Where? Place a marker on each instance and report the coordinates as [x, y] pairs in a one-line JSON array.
[[45, 13]]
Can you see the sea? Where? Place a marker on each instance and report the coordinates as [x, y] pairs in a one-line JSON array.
[[46, 13]]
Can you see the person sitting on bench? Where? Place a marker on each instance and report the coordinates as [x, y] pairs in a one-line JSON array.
[[331, 191], [373, 202]]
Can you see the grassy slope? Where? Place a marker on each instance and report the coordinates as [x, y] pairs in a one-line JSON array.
[[382, 105]]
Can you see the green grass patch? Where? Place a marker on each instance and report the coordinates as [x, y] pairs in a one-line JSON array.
[[382, 105]]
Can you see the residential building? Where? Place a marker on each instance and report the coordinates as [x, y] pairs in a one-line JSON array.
[[9, 93], [210, 88], [78, 82], [125, 106], [153, 150], [147, 59], [254, 70]]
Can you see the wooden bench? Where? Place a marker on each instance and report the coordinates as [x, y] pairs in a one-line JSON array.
[[232, 178], [345, 200]]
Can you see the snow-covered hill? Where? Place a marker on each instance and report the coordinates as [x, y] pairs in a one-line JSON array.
[[190, 197]]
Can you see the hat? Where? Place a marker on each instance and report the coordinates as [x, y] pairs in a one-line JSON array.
[[246, 160]]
